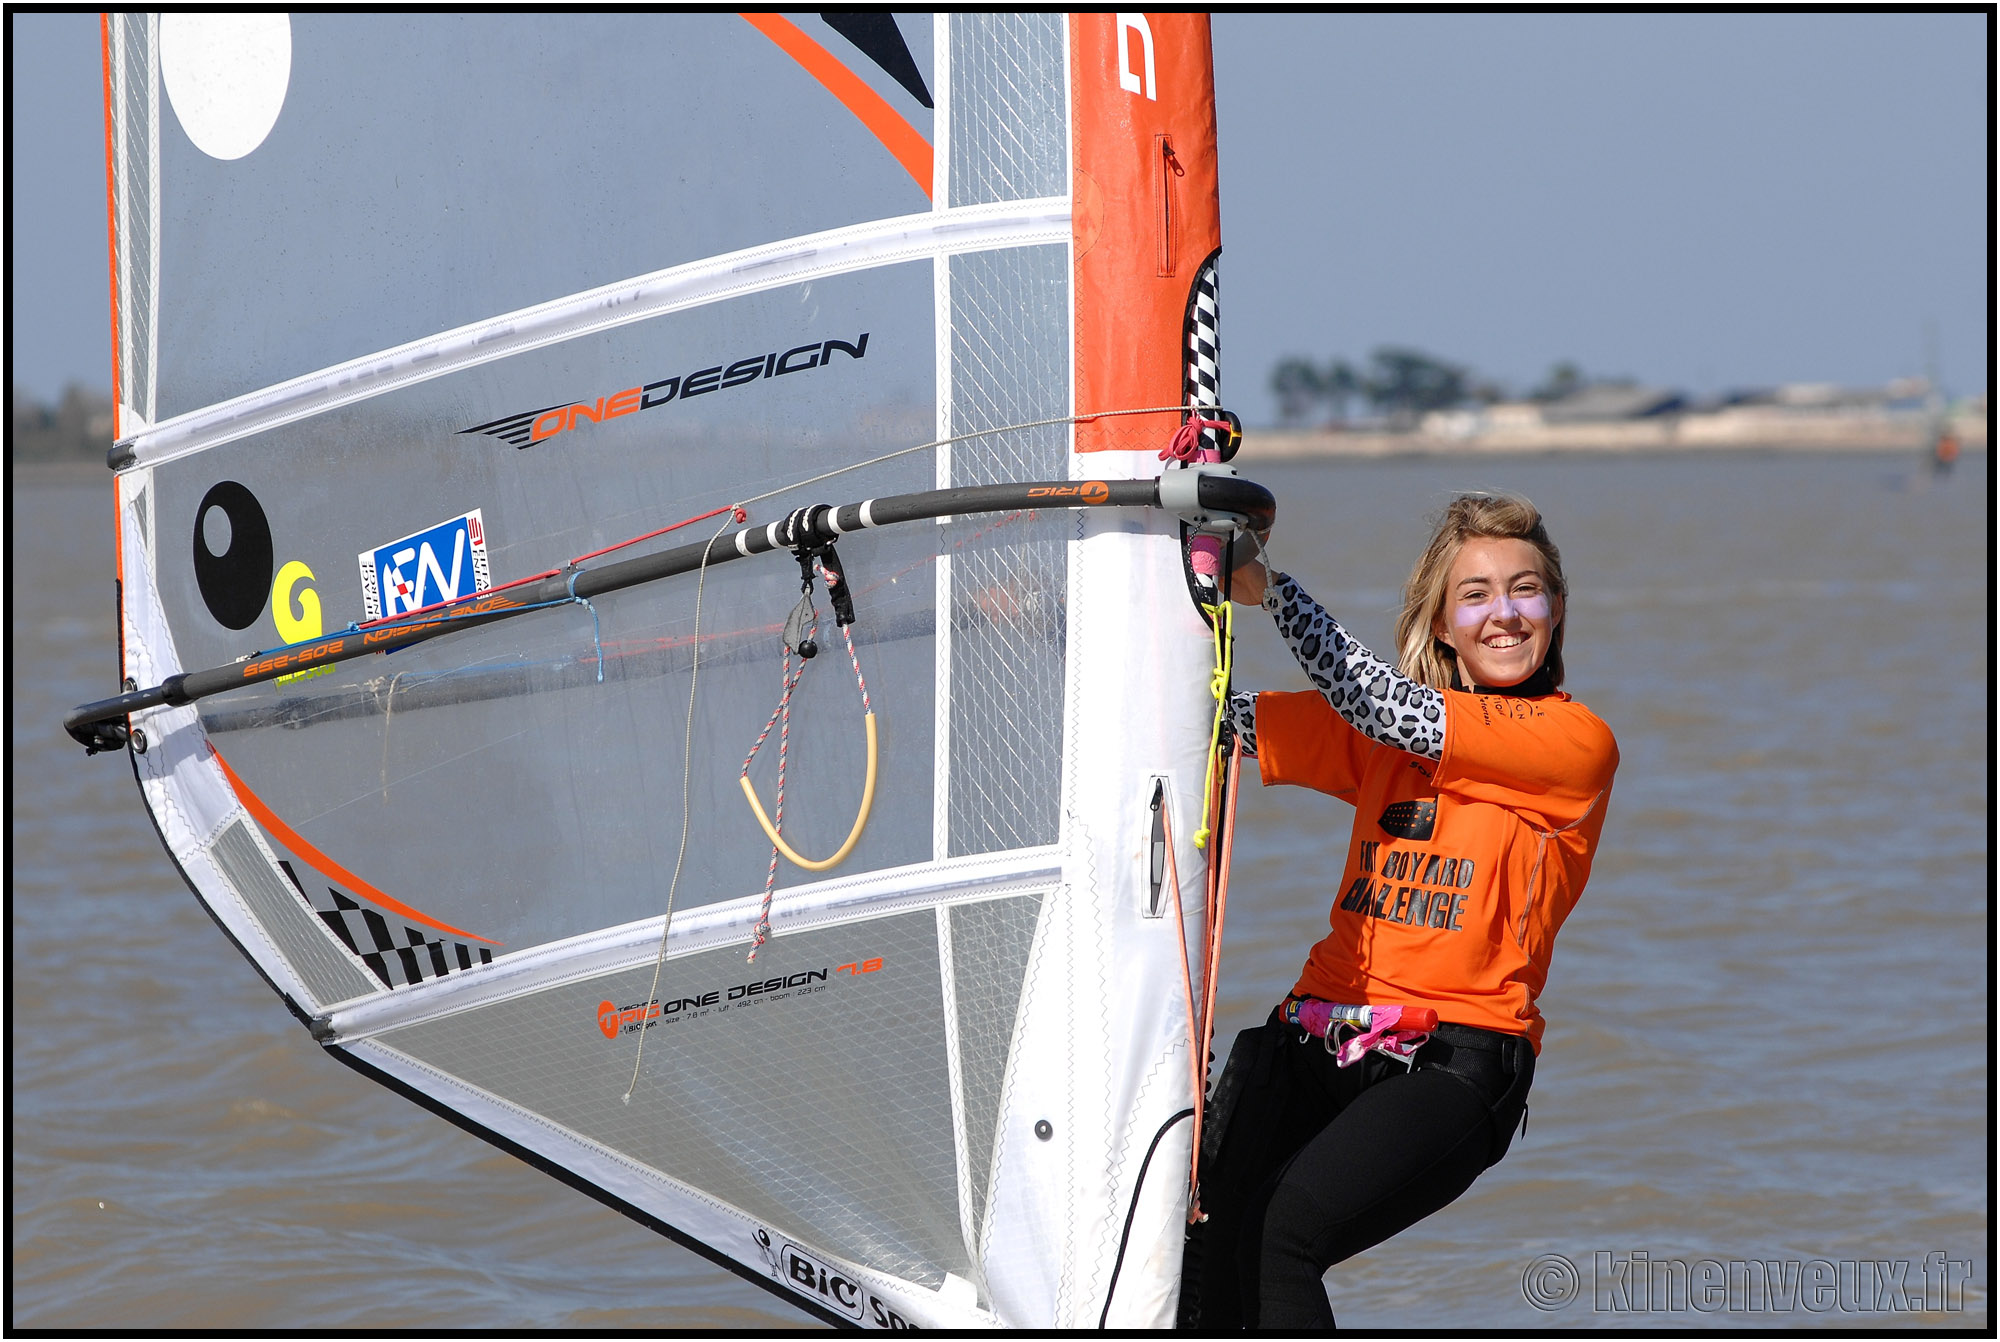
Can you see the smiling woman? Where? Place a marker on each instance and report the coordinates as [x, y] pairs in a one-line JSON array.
[[1479, 792], [1486, 600]]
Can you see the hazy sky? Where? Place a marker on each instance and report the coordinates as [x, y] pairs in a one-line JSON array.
[[1697, 200]]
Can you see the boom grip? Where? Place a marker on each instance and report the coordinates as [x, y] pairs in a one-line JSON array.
[[853, 835]]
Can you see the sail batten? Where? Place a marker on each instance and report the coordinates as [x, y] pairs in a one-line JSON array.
[[418, 364], [773, 266], [725, 923]]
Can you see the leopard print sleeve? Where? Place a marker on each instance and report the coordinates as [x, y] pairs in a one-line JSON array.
[[1243, 720], [1378, 700]]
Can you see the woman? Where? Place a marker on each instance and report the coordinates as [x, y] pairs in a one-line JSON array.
[[1479, 792]]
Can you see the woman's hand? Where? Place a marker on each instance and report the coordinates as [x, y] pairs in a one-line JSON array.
[[1246, 581], [1246, 584]]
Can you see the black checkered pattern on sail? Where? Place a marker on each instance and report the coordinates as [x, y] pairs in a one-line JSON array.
[[1203, 384], [369, 936]]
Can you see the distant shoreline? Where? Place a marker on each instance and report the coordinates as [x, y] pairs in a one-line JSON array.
[[60, 471], [1739, 430], [1726, 431]]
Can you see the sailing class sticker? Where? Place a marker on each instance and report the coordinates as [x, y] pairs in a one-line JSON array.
[[226, 77], [810, 1276], [614, 1020], [440, 563], [301, 624], [232, 554], [525, 428]]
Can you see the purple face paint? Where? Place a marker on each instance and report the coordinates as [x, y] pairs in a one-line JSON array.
[[1505, 607]]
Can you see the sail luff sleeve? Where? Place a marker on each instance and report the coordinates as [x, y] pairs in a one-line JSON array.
[[1216, 493]]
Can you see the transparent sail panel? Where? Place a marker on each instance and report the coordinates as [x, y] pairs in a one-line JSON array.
[[489, 778], [821, 1105], [1009, 365], [431, 170], [1008, 89], [990, 945], [135, 195]]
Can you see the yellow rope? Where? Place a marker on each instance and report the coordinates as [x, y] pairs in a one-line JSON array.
[[1223, 624]]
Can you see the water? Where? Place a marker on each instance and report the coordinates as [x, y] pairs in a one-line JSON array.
[[1767, 1018]]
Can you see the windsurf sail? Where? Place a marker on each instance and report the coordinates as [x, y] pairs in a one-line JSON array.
[[479, 378]]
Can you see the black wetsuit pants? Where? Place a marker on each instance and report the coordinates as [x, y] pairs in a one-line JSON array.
[[1315, 1163]]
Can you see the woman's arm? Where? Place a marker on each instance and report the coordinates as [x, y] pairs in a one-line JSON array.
[[1374, 697], [1242, 720]]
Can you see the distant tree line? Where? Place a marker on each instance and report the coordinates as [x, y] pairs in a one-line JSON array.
[[1399, 384], [76, 428]]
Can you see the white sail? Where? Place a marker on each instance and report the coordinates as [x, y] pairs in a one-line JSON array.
[[413, 307]]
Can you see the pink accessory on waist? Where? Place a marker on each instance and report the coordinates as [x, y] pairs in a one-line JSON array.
[[1385, 1034], [1398, 1031]]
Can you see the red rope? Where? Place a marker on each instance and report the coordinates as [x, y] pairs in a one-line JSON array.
[[781, 715], [1218, 909], [741, 516], [1195, 1068]]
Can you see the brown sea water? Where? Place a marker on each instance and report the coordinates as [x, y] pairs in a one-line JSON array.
[[1767, 1018]]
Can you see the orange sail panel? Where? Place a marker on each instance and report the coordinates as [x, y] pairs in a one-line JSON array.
[[1147, 212], [898, 136]]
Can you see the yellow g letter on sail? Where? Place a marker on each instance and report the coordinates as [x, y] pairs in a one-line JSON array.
[[303, 626]]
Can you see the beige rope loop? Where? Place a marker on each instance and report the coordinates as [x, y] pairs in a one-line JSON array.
[[853, 835]]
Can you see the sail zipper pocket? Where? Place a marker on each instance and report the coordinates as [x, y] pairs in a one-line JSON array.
[[1156, 852], [1168, 172]]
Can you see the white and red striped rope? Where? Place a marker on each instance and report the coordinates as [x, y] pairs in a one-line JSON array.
[[781, 717]]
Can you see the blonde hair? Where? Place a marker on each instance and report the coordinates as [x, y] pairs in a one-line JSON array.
[[1423, 656]]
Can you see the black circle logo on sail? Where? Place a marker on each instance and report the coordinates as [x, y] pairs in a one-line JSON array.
[[235, 583]]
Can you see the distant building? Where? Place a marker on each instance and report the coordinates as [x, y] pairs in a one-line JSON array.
[[78, 427], [1602, 403], [1514, 415], [1828, 395]]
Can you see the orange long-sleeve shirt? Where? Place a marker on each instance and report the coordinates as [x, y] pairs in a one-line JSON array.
[[1460, 872]]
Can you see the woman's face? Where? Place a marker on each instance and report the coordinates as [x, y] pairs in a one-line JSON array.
[[1499, 614]]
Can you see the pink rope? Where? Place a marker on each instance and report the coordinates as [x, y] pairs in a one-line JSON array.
[[1185, 445], [1204, 552], [847, 633]]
